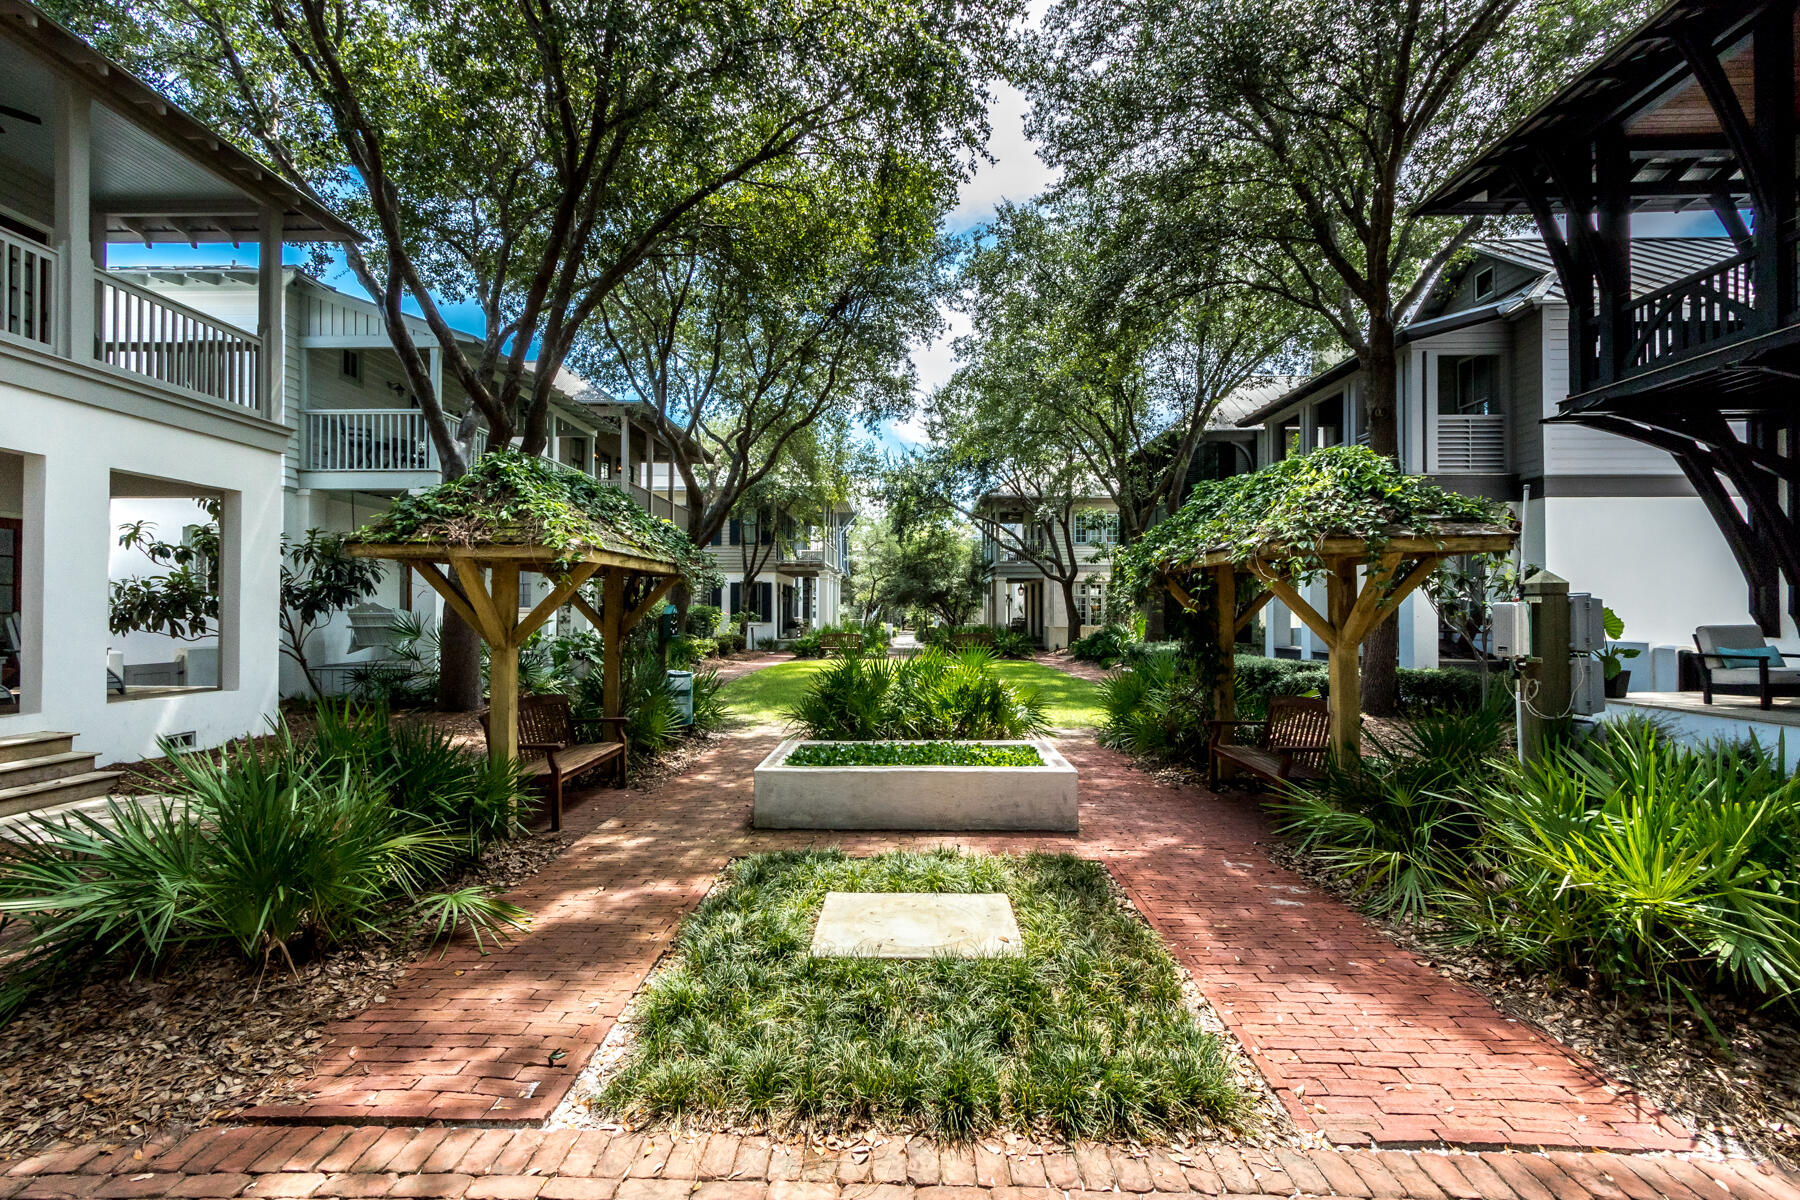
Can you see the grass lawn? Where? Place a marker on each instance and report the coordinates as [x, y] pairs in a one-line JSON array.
[[762, 696], [1082, 1036]]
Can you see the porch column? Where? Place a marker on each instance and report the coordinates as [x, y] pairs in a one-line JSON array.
[[271, 360], [74, 302], [624, 452]]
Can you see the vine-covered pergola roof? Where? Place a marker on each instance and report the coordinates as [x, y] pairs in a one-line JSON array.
[[513, 512], [1372, 531], [522, 507]]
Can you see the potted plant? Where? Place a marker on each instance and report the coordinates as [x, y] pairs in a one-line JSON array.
[[1612, 656]]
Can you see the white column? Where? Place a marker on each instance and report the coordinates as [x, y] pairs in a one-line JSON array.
[[271, 324], [74, 302], [624, 452]]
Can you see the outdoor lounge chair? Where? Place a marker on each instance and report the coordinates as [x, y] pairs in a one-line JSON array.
[[1737, 659]]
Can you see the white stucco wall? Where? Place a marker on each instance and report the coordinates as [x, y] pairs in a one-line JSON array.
[[71, 450], [1658, 561]]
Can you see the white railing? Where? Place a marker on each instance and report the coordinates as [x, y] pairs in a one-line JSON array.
[[1471, 444], [151, 335], [367, 439], [27, 272]]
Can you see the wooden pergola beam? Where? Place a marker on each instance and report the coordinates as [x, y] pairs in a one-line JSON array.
[[485, 594], [1355, 604]]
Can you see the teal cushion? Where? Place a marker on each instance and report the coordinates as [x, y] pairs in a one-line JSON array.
[[1736, 656]]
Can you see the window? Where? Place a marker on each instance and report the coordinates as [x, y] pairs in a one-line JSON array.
[[1328, 421], [1484, 283], [1096, 528], [350, 365], [1470, 384], [1090, 602]]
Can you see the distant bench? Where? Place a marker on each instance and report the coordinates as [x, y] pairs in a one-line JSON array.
[[1290, 743], [840, 642]]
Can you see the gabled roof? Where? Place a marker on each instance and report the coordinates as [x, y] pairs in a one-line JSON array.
[[1656, 262], [1255, 393], [303, 219]]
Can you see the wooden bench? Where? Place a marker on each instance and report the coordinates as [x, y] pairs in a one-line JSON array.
[[547, 729], [1290, 742], [964, 639], [840, 642]]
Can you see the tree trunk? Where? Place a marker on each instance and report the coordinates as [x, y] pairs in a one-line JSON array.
[[1068, 591], [1381, 648], [459, 665]]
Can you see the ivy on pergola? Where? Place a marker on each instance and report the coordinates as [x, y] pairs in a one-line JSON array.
[[1343, 512], [512, 513]]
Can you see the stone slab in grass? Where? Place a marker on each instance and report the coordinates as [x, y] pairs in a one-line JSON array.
[[916, 925]]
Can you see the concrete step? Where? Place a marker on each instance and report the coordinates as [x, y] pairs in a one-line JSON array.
[[44, 768], [31, 796], [16, 746]]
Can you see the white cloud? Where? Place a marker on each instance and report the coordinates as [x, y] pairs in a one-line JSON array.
[[1017, 172]]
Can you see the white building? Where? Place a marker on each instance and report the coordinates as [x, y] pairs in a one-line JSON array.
[[113, 396], [786, 572], [1483, 365]]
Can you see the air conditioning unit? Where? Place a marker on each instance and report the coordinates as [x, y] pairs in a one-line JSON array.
[[1587, 623], [1512, 629]]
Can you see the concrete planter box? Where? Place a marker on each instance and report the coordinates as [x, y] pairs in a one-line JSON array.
[[920, 798]]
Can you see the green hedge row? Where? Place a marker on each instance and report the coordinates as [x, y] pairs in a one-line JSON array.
[[1437, 689]]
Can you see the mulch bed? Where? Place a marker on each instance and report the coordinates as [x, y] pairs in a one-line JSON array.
[[114, 1058], [1742, 1100]]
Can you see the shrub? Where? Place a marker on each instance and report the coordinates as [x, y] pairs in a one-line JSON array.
[[731, 641], [806, 646], [1645, 864], [711, 712], [1157, 709], [1400, 824], [1422, 691], [269, 852], [703, 620], [934, 694], [1106, 646], [685, 650], [1011, 644]]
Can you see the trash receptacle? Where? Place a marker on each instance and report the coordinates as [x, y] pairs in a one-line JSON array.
[[681, 690]]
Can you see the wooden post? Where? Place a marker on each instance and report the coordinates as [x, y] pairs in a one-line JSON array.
[[1225, 613], [1545, 680], [1342, 668], [612, 633], [503, 664]]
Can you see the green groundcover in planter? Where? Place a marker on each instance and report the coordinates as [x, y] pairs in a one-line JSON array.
[[912, 754]]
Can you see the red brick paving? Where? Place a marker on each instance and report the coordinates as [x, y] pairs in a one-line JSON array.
[[627, 1166], [1358, 1039]]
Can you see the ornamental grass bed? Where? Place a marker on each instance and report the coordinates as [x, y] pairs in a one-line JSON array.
[[912, 754], [1083, 1036]]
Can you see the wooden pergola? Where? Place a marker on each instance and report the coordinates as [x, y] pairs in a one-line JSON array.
[[485, 594], [1362, 590]]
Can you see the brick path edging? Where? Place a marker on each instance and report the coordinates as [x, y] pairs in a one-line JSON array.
[[568, 1164]]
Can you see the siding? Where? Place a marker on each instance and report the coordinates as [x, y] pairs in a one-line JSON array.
[[27, 193], [1525, 404]]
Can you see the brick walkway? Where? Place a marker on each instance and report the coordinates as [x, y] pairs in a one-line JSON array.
[[1358, 1039], [312, 1160], [423, 1095]]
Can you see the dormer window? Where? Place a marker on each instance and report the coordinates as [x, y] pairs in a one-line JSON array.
[[1484, 283]]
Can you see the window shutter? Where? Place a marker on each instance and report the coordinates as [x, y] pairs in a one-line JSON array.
[[737, 597]]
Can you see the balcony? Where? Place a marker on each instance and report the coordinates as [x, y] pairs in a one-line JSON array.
[[1469, 444], [1693, 315], [27, 274], [177, 346], [658, 505]]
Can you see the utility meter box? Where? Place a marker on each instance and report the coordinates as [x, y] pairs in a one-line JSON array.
[[1587, 686], [681, 691], [1512, 629], [1587, 623]]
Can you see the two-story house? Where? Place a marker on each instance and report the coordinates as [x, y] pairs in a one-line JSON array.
[[784, 573], [112, 394], [1020, 595], [1481, 367], [357, 438]]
